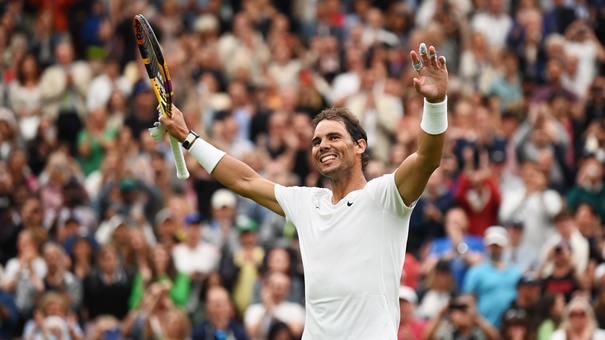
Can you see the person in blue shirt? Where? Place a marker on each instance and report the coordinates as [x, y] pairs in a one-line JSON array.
[[460, 249], [493, 282], [219, 323], [8, 315]]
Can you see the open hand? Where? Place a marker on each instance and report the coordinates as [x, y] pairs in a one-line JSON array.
[[432, 79]]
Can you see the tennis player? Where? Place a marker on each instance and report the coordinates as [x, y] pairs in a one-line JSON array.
[[352, 237]]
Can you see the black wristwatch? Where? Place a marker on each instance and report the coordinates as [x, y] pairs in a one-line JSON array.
[[191, 137]]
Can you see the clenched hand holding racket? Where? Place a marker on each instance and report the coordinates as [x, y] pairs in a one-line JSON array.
[[157, 70]]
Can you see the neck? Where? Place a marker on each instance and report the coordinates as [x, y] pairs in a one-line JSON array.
[[346, 183]]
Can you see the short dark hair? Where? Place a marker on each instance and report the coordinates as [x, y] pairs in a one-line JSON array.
[[345, 116]]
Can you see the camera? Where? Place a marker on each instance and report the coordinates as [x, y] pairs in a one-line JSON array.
[[457, 306]]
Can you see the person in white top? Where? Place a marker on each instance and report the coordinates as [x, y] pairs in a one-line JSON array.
[[352, 237], [579, 322]]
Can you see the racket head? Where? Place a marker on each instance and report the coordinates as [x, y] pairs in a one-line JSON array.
[[155, 63]]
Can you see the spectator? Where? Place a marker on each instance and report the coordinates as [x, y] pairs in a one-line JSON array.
[[459, 318], [519, 253], [24, 274], [515, 325], [567, 232], [95, 140], [25, 96], [219, 318], [82, 252], [589, 187], [196, 258], [428, 217], [247, 262], [64, 86], [274, 308], [458, 247], [549, 312], [564, 279], [578, 321], [103, 86], [440, 287], [478, 193], [280, 259], [161, 269], [528, 293], [410, 327], [52, 318], [59, 279], [107, 287], [9, 316], [220, 230], [378, 114], [493, 282], [534, 205]]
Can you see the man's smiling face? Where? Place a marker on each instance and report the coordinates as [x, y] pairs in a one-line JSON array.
[[334, 151]]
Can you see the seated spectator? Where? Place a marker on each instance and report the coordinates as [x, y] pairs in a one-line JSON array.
[[24, 274], [274, 307], [460, 249], [518, 252], [248, 261], [9, 316], [196, 258], [161, 269], [599, 306], [567, 232], [515, 325], [219, 318], [534, 205], [156, 316], [104, 327], [589, 187], [440, 287], [280, 260], [58, 278], [410, 327], [52, 319], [493, 282], [220, 229], [528, 293], [82, 251], [578, 322], [459, 319], [549, 312], [428, 217], [564, 278], [107, 287]]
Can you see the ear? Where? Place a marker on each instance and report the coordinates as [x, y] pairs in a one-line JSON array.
[[362, 145]]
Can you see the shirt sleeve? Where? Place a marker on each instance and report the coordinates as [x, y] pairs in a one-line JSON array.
[[384, 192]]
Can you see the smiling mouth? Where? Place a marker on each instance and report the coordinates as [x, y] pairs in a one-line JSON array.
[[327, 158]]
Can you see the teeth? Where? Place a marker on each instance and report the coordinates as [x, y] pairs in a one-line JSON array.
[[328, 158]]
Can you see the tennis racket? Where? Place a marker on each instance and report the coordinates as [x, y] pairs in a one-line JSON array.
[[157, 70]]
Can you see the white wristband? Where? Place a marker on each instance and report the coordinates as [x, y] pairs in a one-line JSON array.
[[434, 117], [206, 154]]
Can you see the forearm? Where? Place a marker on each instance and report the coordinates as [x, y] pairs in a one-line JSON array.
[[487, 328]]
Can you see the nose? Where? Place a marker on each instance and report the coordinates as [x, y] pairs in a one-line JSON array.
[[324, 143]]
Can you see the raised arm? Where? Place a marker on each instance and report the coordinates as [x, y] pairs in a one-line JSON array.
[[432, 83], [231, 172]]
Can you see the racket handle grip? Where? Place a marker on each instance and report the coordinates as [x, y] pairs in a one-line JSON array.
[[181, 168]]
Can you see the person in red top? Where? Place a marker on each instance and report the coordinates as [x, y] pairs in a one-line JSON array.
[[478, 194], [410, 327]]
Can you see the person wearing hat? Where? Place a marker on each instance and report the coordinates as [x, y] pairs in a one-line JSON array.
[[410, 327], [220, 229], [493, 282], [247, 262]]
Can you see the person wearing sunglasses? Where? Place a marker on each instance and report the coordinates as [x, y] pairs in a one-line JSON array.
[[578, 322]]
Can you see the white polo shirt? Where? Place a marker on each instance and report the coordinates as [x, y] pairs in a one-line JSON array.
[[353, 254]]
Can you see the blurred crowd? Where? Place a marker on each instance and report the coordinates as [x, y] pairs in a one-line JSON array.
[[99, 240]]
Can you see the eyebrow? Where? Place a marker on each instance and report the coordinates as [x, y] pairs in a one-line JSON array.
[[329, 134]]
